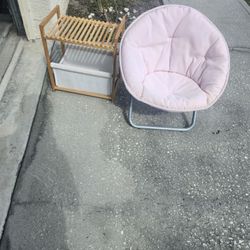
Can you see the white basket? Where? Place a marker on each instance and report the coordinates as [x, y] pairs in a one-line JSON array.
[[85, 69]]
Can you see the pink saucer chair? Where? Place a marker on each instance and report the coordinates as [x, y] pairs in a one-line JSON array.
[[175, 59]]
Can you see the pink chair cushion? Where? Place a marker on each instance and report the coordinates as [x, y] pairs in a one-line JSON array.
[[174, 58]]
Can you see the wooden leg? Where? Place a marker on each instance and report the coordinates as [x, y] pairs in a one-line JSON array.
[[58, 13], [120, 31], [63, 48], [115, 89], [114, 82], [47, 56]]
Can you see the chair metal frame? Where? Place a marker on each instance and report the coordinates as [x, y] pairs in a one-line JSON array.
[[185, 129]]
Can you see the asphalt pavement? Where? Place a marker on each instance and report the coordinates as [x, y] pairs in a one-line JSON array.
[[90, 181]]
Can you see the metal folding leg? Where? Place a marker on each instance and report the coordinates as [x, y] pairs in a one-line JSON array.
[[160, 128]]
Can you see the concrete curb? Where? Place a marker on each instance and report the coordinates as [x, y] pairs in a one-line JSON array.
[[20, 98], [11, 68]]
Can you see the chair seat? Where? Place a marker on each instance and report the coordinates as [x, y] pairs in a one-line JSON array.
[[172, 90], [174, 58]]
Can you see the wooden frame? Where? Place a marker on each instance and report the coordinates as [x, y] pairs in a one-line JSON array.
[[85, 32]]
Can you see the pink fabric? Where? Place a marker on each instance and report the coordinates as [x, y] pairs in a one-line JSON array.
[[174, 58]]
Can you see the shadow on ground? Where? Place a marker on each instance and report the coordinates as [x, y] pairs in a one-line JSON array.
[[44, 188]]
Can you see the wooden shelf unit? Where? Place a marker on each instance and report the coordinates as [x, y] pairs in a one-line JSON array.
[[81, 31]]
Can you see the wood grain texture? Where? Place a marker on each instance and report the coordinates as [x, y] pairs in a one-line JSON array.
[[81, 92], [86, 32]]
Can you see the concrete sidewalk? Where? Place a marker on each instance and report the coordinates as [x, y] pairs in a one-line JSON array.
[[90, 181], [19, 98], [230, 16]]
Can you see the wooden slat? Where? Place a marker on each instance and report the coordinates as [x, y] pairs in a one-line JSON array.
[[79, 32], [75, 31], [82, 92], [111, 34], [82, 31], [97, 33], [92, 26], [55, 29], [71, 29], [104, 39], [102, 33], [71, 20], [62, 27], [88, 24], [92, 32]]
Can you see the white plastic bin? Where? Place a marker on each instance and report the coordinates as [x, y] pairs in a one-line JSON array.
[[85, 69]]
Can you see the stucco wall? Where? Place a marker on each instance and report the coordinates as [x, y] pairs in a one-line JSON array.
[[33, 11]]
